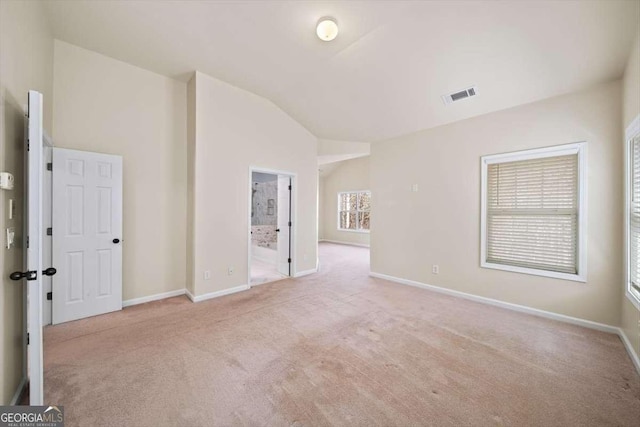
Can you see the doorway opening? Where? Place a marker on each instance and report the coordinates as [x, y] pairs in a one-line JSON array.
[[271, 232]]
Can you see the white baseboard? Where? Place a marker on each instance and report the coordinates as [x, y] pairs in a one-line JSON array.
[[338, 242], [18, 393], [632, 351], [515, 307], [156, 297], [306, 272], [216, 294]]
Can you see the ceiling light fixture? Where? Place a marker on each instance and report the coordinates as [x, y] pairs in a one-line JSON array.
[[327, 28]]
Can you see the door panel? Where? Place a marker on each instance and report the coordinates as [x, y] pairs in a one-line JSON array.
[[87, 209], [284, 182], [33, 254], [105, 266]]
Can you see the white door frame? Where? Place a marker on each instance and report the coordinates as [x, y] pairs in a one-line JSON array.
[[47, 217], [294, 215]]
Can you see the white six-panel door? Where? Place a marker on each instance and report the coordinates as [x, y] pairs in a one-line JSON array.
[[87, 234]]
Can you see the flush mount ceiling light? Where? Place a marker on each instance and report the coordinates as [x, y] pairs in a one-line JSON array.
[[327, 28]]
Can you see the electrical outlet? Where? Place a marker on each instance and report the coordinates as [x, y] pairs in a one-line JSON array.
[[207, 275], [435, 269], [230, 270]]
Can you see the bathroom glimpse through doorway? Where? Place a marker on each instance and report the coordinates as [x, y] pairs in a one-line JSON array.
[[270, 226]]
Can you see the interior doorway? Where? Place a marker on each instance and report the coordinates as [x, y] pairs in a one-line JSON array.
[[270, 226]]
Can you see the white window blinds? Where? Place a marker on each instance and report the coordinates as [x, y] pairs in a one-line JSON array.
[[634, 216], [532, 213]]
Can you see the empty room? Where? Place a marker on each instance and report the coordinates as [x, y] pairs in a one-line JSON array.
[[320, 213]]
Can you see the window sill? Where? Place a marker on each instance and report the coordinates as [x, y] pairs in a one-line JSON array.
[[354, 231], [535, 272], [635, 300]]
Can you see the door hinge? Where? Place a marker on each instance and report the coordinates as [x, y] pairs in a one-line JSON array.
[[49, 166], [27, 338], [27, 242], [49, 231], [49, 296], [290, 224], [289, 260], [289, 187]]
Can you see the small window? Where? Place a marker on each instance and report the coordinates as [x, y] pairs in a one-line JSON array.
[[533, 212], [633, 213], [354, 211]]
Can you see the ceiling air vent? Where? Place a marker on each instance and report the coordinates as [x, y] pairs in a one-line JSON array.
[[457, 96]]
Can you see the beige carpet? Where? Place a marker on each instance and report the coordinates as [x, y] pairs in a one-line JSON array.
[[336, 348]]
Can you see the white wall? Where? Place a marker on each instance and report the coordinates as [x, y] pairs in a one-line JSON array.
[[350, 175], [440, 224], [235, 129], [630, 321], [108, 106], [26, 62]]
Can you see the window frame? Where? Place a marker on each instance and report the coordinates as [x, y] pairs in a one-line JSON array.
[[357, 212], [632, 131], [579, 148]]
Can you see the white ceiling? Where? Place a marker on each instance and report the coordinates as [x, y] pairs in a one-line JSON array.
[[384, 74]]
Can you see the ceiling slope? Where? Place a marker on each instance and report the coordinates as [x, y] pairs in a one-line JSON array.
[[384, 74]]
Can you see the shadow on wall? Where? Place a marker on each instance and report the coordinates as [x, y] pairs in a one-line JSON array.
[[12, 155]]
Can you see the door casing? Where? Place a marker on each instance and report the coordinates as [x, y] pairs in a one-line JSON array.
[[294, 226]]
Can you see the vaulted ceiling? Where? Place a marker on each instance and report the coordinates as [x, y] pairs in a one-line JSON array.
[[384, 74]]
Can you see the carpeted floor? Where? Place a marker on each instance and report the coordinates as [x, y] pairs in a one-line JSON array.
[[336, 348]]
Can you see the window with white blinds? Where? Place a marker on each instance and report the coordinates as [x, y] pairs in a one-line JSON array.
[[634, 218], [531, 212]]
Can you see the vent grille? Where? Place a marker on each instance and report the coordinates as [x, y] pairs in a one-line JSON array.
[[457, 96]]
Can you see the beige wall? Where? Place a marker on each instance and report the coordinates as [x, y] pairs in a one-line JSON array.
[[26, 62], [630, 321], [348, 176], [235, 129], [330, 150], [440, 224], [108, 106]]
